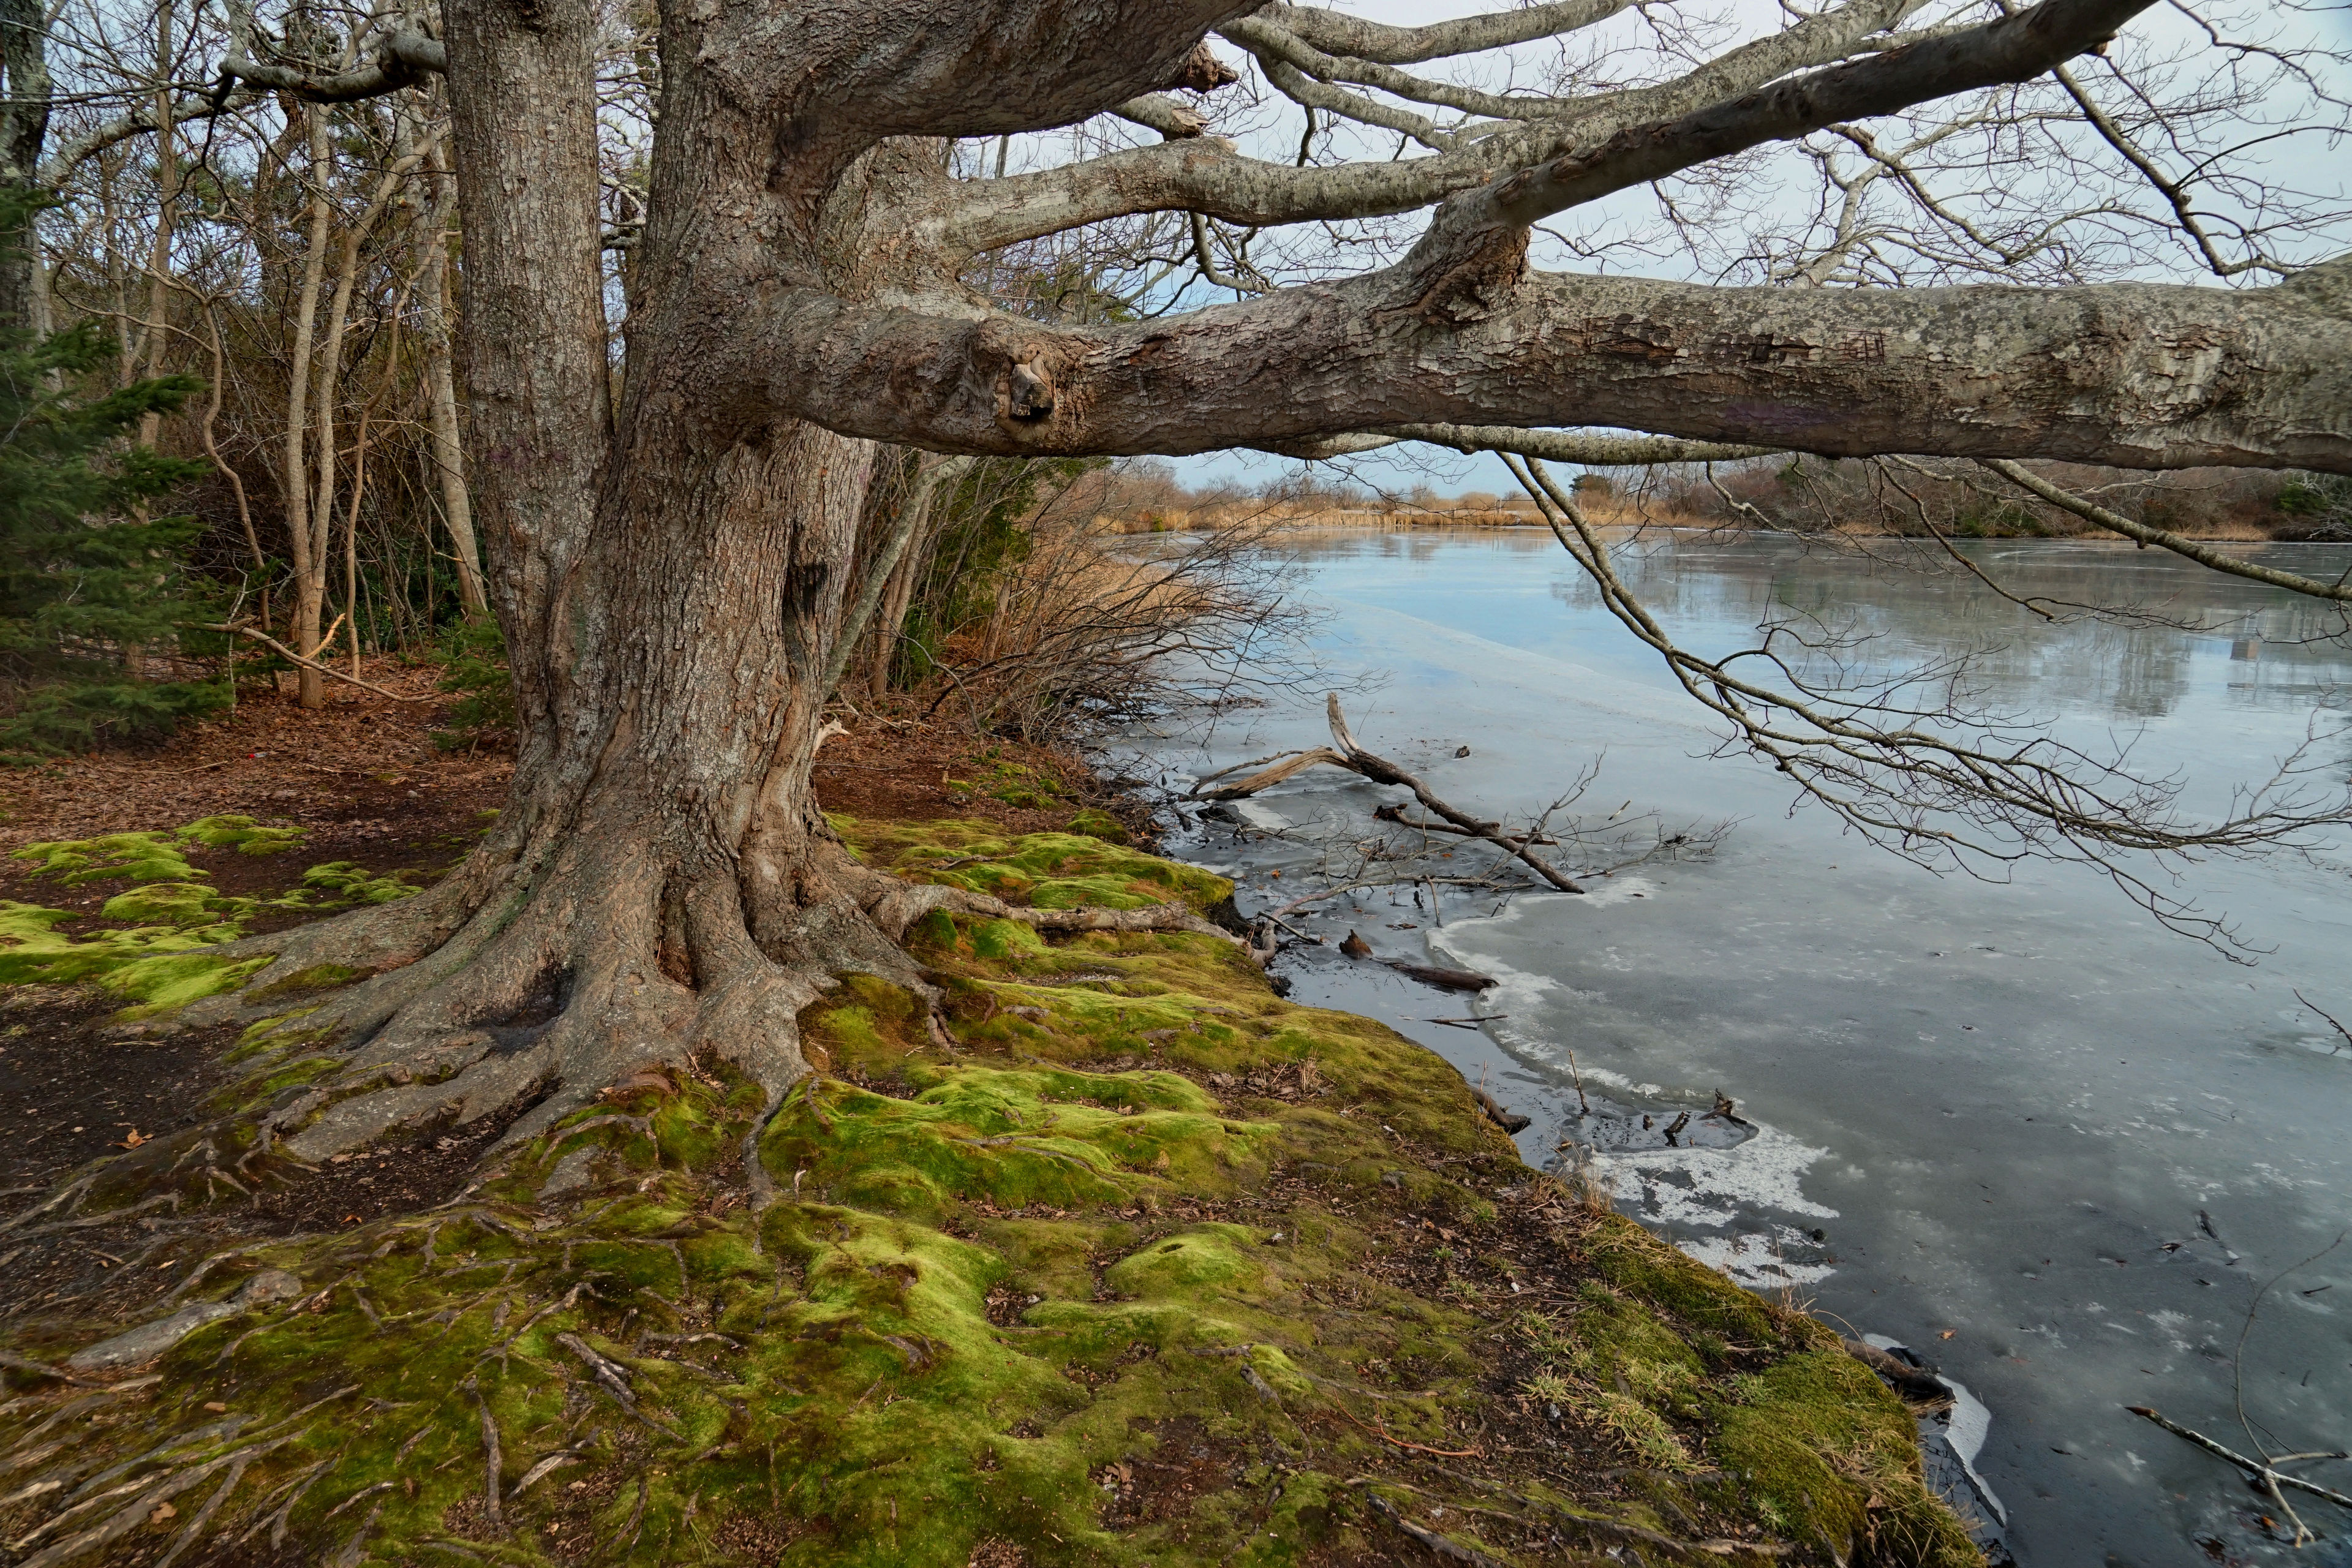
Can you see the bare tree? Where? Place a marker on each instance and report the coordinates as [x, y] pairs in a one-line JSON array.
[[675, 567]]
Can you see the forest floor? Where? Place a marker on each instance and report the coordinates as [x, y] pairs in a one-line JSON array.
[[364, 782], [1141, 1265]]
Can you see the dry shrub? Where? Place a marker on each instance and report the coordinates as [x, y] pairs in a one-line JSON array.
[[1087, 627], [1913, 497]]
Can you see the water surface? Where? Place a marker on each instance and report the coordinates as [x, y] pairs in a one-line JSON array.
[[1989, 1116]]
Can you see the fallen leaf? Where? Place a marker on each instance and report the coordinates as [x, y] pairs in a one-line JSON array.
[[134, 1139], [215, 1405], [1947, 1333], [164, 1511]]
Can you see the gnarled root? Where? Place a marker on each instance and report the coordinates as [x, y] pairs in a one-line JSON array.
[[894, 906], [604, 962]]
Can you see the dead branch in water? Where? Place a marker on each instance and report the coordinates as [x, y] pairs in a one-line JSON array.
[[2264, 1473], [2331, 1018], [1351, 755]]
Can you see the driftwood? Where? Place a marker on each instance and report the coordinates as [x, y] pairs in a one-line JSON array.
[[1444, 979], [1910, 1382], [1501, 1115], [1428, 974], [1345, 752]]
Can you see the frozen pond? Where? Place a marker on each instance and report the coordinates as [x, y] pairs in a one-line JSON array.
[[2022, 1128]]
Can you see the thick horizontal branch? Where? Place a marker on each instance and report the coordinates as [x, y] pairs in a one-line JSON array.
[[2135, 375]]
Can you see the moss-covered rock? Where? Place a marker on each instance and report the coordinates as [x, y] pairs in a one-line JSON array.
[[1140, 1264]]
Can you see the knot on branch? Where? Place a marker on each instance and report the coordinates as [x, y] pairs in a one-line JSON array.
[[1468, 280], [1029, 389], [1202, 71]]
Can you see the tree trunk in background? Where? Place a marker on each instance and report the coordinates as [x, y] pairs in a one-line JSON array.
[[25, 92], [159, 255], [305, 539], [441, 390], [897, 596]]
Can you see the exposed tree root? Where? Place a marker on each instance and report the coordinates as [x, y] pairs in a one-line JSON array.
[[544, 985]]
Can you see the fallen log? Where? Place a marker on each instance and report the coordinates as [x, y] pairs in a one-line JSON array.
[[1444, 979], [1910, 1382]]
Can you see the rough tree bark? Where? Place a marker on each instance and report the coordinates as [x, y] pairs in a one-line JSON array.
[[675, 575], [672, 577], [23, 131]]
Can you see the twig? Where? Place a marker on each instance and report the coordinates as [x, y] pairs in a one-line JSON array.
[[2275, 1478], [492, 1460], [280, 648], [2329, 1016], [1382, 1432], [42, 1368], [1442, 1546]]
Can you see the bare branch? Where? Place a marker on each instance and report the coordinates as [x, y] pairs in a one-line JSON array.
[[1587, 450], [2203, 554], [1343, 35], [2008, 49]]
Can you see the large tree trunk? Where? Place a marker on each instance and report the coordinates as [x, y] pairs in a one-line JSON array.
[[671, 588], [675, 585]]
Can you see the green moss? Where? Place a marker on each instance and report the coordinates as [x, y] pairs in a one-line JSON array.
[[1051, 870], [347, 882], [150, 954], [138, 857], [241, 834], [125, 856], [1824, 1445], [1133, 1210], [317, 977], [1699, 1296], [1099, 825]]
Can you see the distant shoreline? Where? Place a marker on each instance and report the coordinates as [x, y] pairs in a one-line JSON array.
[[1286, 519]]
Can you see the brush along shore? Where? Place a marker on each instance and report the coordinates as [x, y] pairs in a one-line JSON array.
[[1133, 1261]]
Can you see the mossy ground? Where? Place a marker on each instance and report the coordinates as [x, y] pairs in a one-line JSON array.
[[1145, 1266], [151, 948]]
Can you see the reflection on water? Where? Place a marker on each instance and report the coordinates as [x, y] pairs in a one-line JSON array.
[[1899, 603], [2019, 1126]]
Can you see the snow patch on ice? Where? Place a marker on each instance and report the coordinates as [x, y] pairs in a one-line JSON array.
[[1756, 1259], [1712, 1187]]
